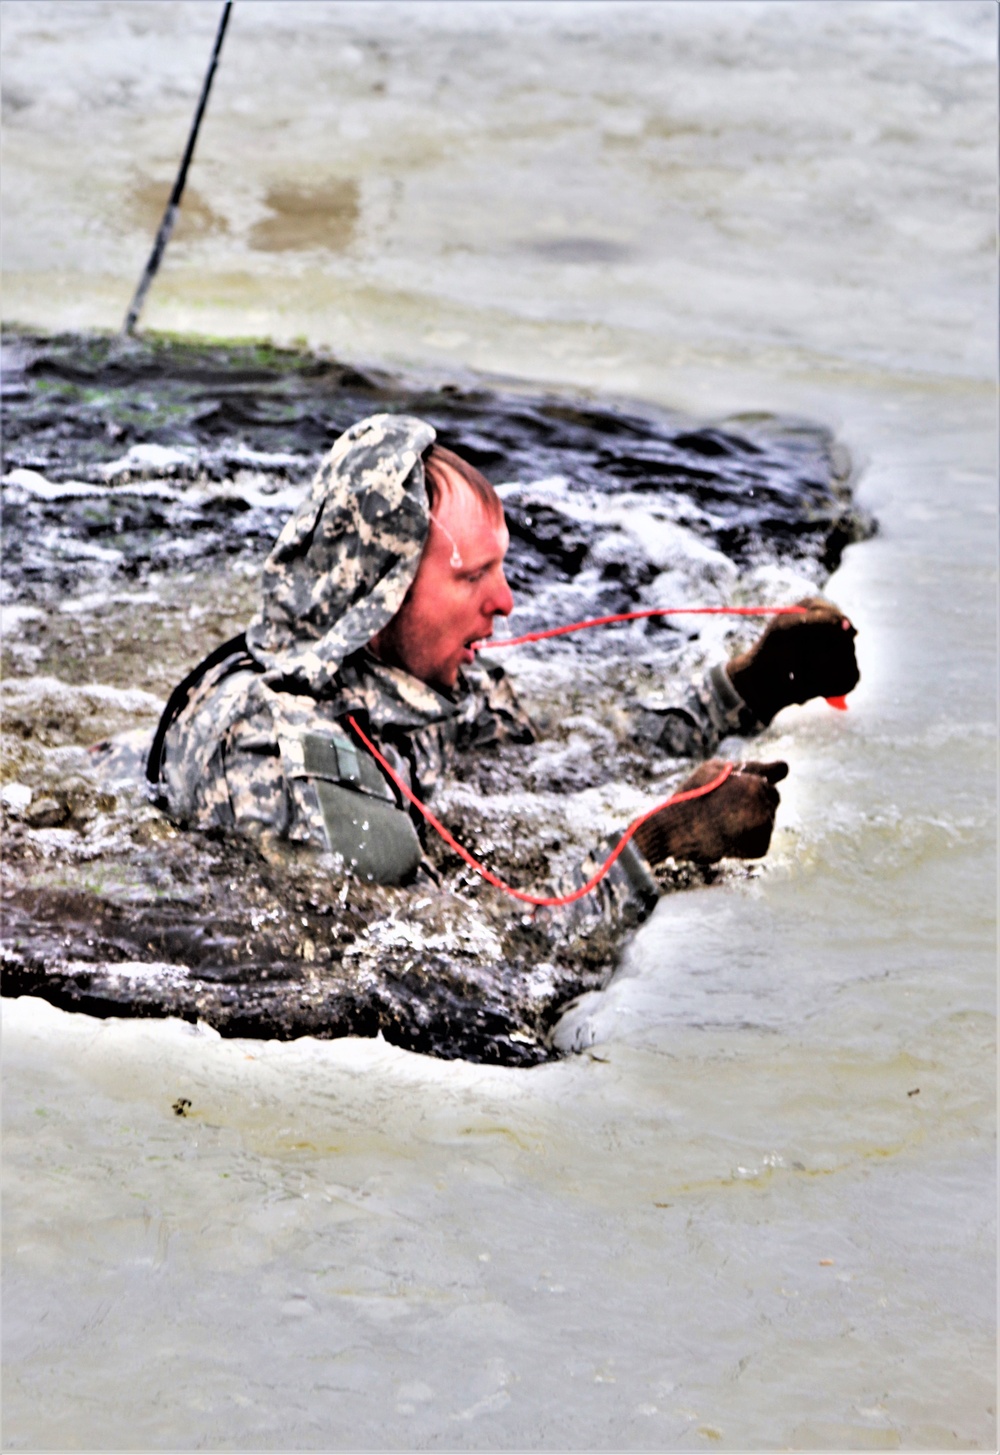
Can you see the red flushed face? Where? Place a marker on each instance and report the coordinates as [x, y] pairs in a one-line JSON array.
[[458, 590]]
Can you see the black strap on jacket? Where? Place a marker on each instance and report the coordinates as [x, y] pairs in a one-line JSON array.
[[178, 700]]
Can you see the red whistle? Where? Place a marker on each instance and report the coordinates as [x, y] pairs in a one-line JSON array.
[[840, 703]]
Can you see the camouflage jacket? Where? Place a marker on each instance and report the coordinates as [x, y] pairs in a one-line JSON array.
[[262, 745]]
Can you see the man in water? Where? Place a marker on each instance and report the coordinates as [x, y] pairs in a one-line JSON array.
[[373, 599]]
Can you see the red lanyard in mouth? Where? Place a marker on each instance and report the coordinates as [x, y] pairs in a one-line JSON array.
[[578, 626], [494, 643]]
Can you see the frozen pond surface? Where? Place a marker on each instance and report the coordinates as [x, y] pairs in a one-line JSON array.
[[758, 1208]]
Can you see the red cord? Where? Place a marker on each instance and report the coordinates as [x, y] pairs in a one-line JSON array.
[[575, 626], [560, 631], [538, 900], [551, 901]]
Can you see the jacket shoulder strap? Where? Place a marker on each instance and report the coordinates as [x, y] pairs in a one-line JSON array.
[[178, 700]]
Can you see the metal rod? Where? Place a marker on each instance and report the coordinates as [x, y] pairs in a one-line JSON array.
[[170, 214]]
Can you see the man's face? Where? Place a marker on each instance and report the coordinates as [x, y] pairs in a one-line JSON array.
[[458, 589]]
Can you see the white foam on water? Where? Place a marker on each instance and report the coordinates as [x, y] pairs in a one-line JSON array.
[[129, 699]]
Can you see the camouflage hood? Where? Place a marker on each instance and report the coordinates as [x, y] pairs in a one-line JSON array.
[[345, 560]]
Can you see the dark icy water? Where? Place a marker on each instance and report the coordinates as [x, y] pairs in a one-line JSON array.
[[144, 483]]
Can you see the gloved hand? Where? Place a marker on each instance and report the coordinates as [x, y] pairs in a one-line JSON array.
[[733, 821], [797, 658]]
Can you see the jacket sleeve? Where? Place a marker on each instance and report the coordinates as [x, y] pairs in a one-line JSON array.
[[693, 727], [624, 898]]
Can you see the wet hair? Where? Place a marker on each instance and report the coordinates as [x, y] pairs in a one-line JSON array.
[[437, 481]]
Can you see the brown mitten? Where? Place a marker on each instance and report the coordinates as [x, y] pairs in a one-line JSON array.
[[797, 658], [733, 821]]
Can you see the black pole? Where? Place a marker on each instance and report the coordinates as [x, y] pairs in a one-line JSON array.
[[170, 215]]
